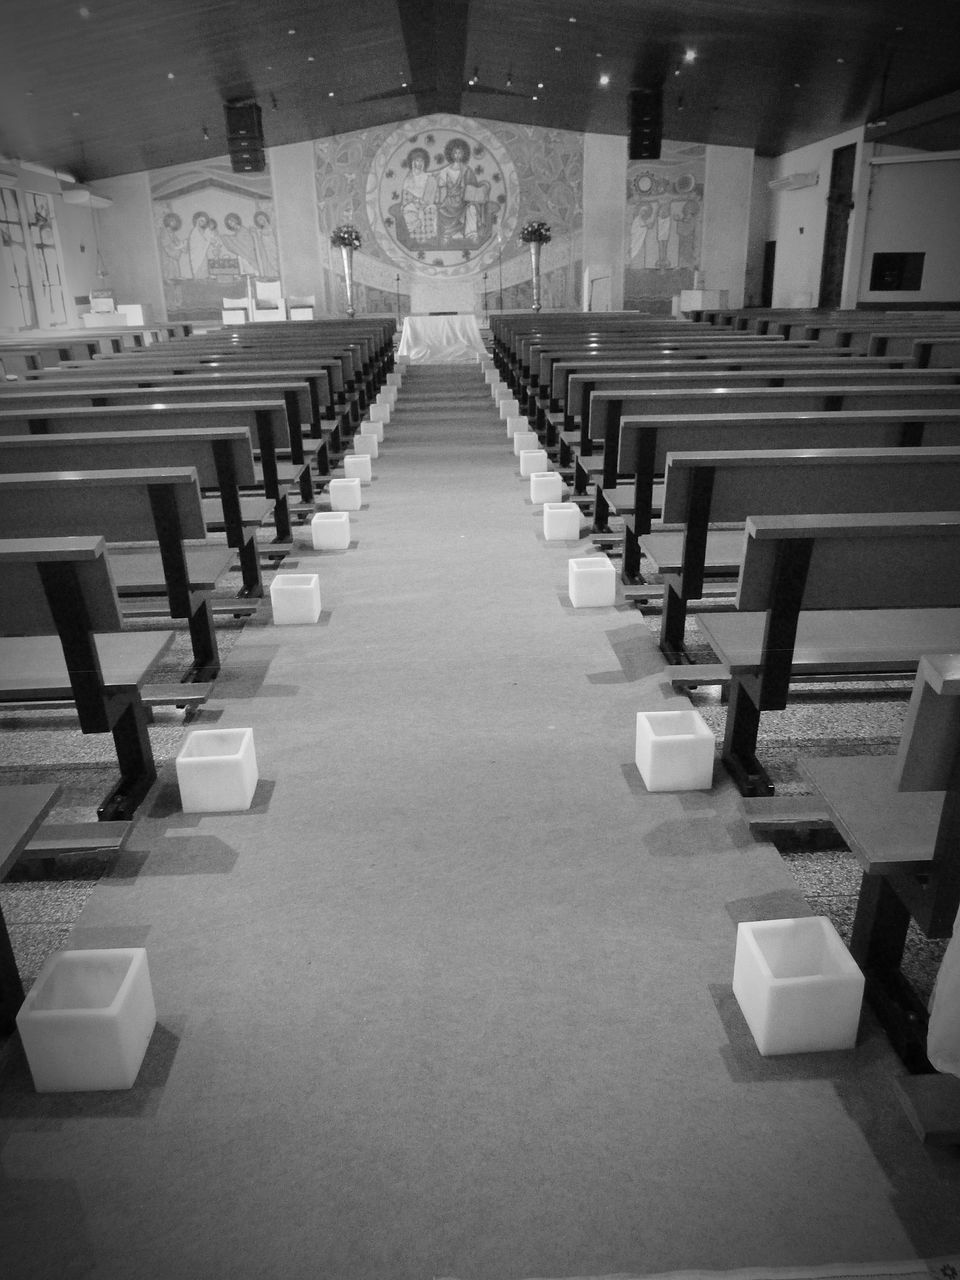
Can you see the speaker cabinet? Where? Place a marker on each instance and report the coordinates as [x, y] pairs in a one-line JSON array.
[[245, 136], [646, 123]]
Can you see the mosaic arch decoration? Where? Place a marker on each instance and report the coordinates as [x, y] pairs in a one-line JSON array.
[[442, 195]]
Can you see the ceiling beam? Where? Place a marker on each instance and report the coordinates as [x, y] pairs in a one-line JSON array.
[[435, 38]]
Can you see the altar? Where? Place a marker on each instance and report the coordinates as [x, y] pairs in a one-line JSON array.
[[443, 339]]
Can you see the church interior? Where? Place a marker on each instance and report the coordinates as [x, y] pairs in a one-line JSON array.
[[480, 640]]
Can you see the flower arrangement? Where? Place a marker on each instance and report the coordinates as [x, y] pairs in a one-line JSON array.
[[535, 233], [346, 237]]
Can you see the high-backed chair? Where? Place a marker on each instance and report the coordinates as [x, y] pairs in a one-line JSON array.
[[234, 311], [303, 308], [268, 303]]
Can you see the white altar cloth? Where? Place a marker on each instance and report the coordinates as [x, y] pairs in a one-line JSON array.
[[453, 339]]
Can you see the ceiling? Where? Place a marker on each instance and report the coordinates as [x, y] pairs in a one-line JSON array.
[[121, 86]]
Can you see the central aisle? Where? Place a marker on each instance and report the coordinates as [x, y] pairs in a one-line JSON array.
[[452, 998]]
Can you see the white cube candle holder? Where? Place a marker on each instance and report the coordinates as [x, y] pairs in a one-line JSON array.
[[358, 466], [509, 408], [379, 413], [365, 441], [516, 422], [330, 531], [674, 750], [369, 428], [295, 598], [592, 582], [217, 770], [344, 494], [87, 1020], [533, 460], [491, 376], [545, 486], [561, 521], [394, 379], [525, 440], [387, 395], [797, 985], [501, 392]]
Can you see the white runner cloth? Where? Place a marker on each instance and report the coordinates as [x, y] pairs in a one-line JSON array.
[[943, 1031], [451, 339]]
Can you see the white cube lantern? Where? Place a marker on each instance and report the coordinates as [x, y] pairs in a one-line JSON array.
[[592, 582], [525, 440], [330, 531], [379, 413], [491, 376], [217, 770], [533, 460], [797, 985], [561, 521], [369, 428], [674, 750], [516, 422], [500, 392], [545, 486], [358, 466], [87, 1020], [387, 395], [295, 598], [365, 441], [345, 494], [394, 379], [509, 408]]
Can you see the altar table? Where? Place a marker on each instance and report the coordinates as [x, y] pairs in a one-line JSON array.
[[449, 339]]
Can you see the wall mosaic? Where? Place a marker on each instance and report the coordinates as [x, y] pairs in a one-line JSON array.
[[215, 235], [664, 213], [440, 198]]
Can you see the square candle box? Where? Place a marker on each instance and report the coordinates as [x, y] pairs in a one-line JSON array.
[[545, 486], [358, 466], [217, 771], [591, 582], [561, 522], [387, 395], [87, 1020], [674, 750], [532, 460], [797, 985], [345, 494], [516, 422], [295, 598], [366, 441], [509, 408], [370, 428], [379, 413], [525, 440], [394, 379], [330, 531]]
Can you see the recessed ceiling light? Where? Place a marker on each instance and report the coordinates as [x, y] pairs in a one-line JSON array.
[[539, 84], [690, 55], [841, 60], [330, 94], [573, 19], [291, 31], [556, 48], [311, 58], [604, 79], [535, 98], [171, 75]]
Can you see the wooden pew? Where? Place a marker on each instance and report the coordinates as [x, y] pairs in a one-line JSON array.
[[264, 420], [900, 815], [221, 457], [646, 441], [158, 509], [22, 810], [62, 636], [710, 489], [847, 596]]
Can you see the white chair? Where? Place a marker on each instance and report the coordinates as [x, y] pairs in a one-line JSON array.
[[234, 311], [268, 303], [303, 308]]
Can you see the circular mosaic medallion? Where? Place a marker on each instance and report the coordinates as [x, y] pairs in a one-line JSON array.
[[441, 192]]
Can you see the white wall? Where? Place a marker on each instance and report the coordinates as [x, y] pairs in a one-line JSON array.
[[293, 171], [912, 207], [604, 195], [797, 221], [128, 244], [728, 187]]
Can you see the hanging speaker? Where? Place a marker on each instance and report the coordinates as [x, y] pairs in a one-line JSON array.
[[244, 136], [646, 123]]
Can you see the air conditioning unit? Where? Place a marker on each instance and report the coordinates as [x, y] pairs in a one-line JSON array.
[[795, 181]]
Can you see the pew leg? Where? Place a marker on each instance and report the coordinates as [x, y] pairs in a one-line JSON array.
[[630, 571], [673, 622], [876, 944], [281, 518], [740, 743], [601, 512], [249, 555], [138, 771], [203, 636], [11, 986]]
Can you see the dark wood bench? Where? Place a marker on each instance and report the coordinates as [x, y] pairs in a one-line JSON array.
[[221, 456], [264, 420], [62, 637], [161, 511], [646, 441], [849, 596], [722, 488]]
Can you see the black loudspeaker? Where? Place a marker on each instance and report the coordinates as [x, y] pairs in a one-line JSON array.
[[646, 123], [245, 136]]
